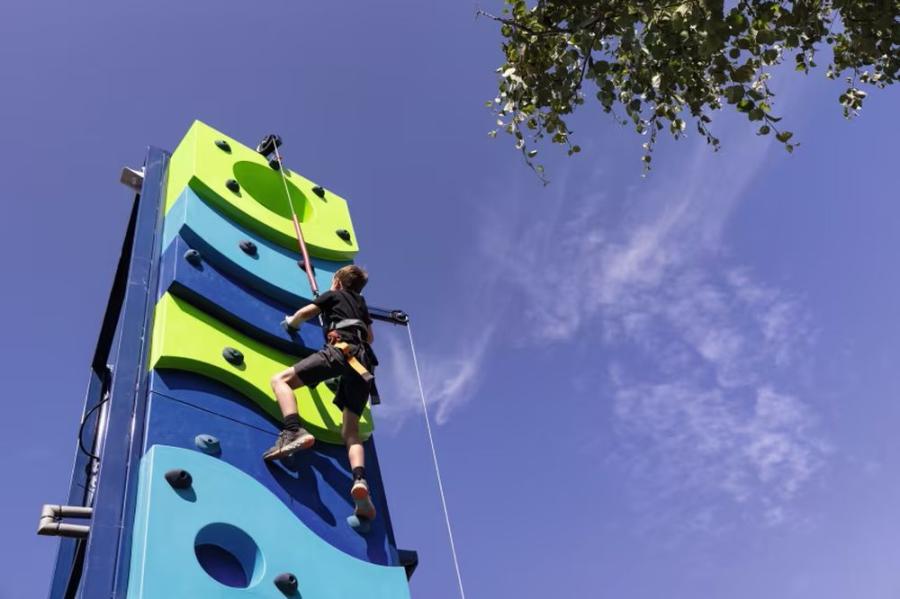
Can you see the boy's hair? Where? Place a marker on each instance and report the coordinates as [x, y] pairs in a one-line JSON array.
[[352, 277]]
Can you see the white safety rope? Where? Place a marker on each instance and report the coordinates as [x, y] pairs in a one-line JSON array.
[[437, 468]]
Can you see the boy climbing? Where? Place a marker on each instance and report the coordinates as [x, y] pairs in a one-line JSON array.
[[348, 355]]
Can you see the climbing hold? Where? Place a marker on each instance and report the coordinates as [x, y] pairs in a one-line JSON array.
[[343, 234], [268, 144], [179, 479], [193, 257], [286, 583], [302, 266], [233, 185], [223, 145], [360, 525], [208, 444], [233, 356], [275, 164], [319, 191], [409, 559], [248, 247]]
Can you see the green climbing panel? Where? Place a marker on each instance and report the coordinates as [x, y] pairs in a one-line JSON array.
[[260, 202], [185, 338]]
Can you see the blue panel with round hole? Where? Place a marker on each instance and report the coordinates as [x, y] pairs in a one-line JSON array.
[[314, 484], [228, 537], [272, 269]]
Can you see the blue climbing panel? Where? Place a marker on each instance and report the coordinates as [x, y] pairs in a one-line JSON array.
[[272, 269], [248, 311], [314, 485], [227, 536]]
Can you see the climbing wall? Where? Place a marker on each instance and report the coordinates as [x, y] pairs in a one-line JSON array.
[[211, 519]]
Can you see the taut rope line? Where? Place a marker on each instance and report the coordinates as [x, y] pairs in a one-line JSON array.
[[437, 468]]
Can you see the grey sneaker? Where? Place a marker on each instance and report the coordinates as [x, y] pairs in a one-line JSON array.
[[364, 506], [289, 442]]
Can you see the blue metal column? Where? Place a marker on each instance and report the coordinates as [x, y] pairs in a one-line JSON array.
[[108, 544]]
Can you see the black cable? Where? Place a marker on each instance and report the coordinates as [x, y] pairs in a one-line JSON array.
[[81, 428]]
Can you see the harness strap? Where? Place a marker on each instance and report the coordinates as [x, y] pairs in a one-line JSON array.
[[345, 348]]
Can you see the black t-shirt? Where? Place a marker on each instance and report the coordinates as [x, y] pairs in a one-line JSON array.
[[342, 304]]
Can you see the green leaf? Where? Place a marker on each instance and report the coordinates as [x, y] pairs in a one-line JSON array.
[[734, 94], [784, 136]]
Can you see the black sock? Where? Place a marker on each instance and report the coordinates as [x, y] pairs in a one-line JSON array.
[[359, 472], [292, 422]]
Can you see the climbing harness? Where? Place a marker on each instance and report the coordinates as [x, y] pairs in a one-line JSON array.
[[437, 468], [358, 328]]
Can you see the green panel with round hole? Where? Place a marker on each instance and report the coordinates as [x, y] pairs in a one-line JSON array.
[[186, 338], [261, 201]]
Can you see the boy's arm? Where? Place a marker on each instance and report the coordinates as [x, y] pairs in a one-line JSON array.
[[302, 315], [371, 334]]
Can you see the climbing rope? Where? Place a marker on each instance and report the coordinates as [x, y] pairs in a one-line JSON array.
[[307, 265], [314, 287], [437, 468]]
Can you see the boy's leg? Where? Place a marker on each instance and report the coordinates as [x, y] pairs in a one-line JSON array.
[[355, 451], [357, 456], [283, 385], [293, 436]]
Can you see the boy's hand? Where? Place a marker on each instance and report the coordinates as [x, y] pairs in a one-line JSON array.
[[288, 326]]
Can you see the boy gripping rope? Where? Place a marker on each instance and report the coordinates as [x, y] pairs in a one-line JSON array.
[[348, 355]]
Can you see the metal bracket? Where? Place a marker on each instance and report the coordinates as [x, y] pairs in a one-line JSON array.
[[132, 178], [392, 316]]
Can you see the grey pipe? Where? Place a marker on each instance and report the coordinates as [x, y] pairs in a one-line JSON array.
[[51, 524]]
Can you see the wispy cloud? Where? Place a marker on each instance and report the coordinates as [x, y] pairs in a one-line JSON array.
[[701, 399], [754, 452], [697, 403], [449, 377]]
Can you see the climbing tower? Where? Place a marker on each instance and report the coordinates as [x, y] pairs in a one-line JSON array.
[[170, 497]]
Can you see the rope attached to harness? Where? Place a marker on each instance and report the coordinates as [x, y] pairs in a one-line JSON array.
[[437, 468]]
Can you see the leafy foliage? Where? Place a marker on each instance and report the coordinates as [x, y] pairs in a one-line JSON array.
[[655, 64]]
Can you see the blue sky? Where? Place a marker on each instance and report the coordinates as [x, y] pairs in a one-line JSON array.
[[675, 386]]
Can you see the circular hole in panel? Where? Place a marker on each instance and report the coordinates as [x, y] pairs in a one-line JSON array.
[[264, 185], [229, 555]]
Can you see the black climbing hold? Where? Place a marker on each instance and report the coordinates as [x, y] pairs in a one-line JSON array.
[[223, 145], [409, 559], [248, 247], [319, 191], [343, 234], [275, 164], [233, 356], [193, 257], [233, 185], [208, 444], [268, 144], [302, 266], [286, 583], [179, 479]]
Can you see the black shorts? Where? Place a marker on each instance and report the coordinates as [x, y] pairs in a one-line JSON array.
[[329, 362]]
